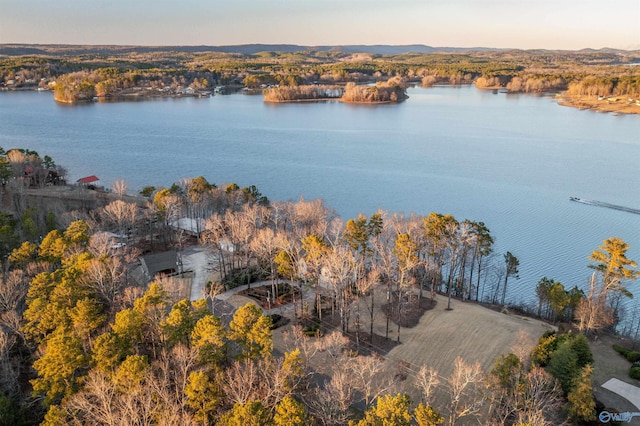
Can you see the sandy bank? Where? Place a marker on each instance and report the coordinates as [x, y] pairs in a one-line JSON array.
[[619, 105]]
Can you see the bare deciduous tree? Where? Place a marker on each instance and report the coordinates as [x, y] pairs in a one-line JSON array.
[[123, 215], [339, 265], [102, 403], [119, 187], [106, 275], [465, 390], [97, 403], [13, 288], [311, 218], [522, 347], [244, 382], [368, 377], [171, 377], [128, 296], [14, 322], [368, 284], [520, 397], [242, 229], [542, 400], [264, 380], [333, 344], [265, 246], [296, 339], [9, 371], [427, 381], [330, 404], [592, 312]]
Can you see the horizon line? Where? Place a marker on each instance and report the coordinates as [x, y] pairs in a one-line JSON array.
[[308, 46]]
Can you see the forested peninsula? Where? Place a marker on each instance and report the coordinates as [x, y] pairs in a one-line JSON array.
[[606, 79], [205, 303]]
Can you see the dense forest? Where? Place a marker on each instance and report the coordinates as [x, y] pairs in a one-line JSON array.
[[85, 340], [82, 74]]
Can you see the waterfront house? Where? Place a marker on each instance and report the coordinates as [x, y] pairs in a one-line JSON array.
[[165, 263]]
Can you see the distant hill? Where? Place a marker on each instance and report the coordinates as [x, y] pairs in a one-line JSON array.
[[245, 49], [382, 49], [251, 49], [377, 49]]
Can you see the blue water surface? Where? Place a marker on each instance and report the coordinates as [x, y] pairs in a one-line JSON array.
[[511, 161]]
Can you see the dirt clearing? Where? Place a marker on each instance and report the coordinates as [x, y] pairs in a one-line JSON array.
[[469, 331]]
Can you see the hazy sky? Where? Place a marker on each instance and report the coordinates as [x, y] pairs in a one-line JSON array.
[[551, 24]]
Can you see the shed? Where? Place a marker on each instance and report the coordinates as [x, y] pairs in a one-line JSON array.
[[87, 180], [160, 263]]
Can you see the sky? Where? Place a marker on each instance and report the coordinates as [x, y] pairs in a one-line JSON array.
[[528, 24]]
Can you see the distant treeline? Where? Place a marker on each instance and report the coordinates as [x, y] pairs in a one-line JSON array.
[[627, 85], [584, 72], [523, 84], [603, 86]]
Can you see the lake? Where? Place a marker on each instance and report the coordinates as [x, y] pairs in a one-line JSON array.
[[511, 161]]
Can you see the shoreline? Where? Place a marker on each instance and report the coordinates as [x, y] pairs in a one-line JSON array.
[[293, 101], [613, 104]]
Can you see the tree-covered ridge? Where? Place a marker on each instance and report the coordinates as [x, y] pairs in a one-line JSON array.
[[19, 169], [83, 341], [171, 71], [144, 357]]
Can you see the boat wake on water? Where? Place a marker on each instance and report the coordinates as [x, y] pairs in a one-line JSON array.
[[603, 204]]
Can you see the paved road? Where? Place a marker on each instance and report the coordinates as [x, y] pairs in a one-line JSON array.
[[201, 262], [625, 390]]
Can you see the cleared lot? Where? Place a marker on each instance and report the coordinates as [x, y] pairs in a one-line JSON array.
[[469, 331]]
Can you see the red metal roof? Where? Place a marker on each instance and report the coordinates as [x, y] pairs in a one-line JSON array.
[[89, 179]]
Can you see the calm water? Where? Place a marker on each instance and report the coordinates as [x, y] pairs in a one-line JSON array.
[[511, 161]]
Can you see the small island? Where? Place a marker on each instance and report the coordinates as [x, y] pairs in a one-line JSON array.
[[391, 91], [304, 93]]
